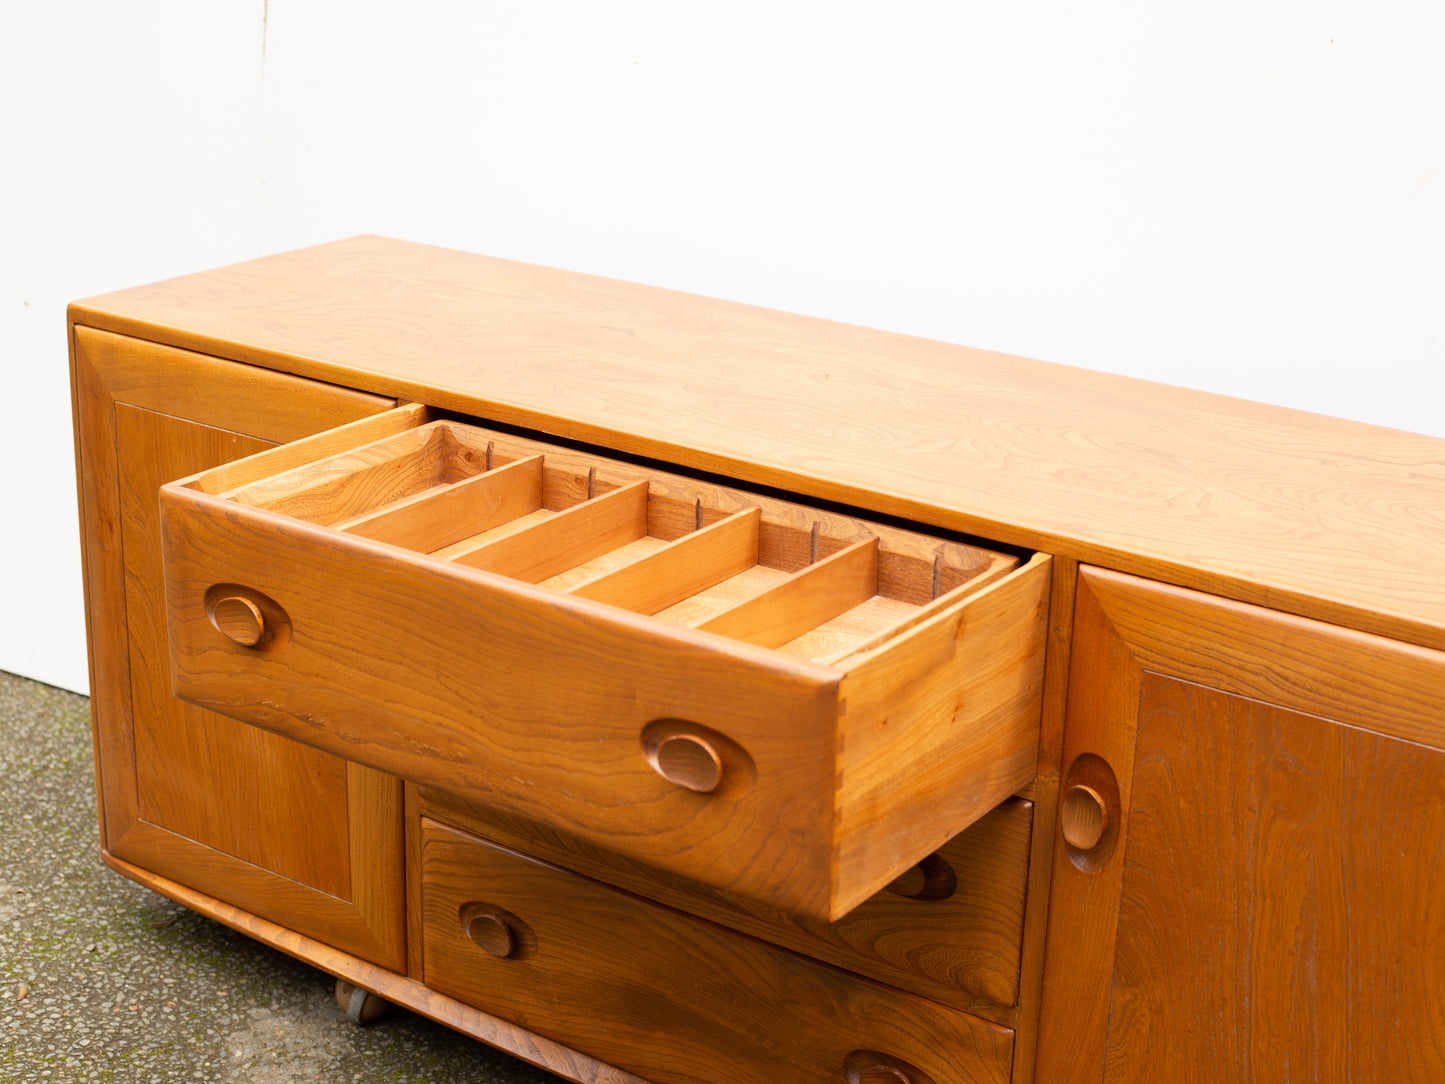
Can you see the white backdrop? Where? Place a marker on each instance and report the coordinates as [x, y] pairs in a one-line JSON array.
[[1246, 196]]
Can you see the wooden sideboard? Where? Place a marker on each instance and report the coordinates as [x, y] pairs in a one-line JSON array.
[[666, 689]]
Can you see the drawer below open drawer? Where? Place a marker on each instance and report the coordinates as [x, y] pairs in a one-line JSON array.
[[780, 701], [671, 998]]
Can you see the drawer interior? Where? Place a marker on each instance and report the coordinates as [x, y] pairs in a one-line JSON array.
[[775, 574]]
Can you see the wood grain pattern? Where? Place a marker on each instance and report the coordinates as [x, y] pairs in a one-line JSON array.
[[1267, 910], [1104, 681], [734, 1010], [215, 393], [564, 540], [960, 950], [1315, 516], [187, 793], [227, 786], [363, 479], [696, 610], [680, 568], [804, 601], [445, 515], [595, 533], [1389, 687], [1288, 930], [963, 688], [297, 453], [846, 637], [1044, 791], [914, 567]]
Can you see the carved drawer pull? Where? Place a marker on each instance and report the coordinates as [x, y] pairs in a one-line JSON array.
[[247, 617], [239, 619], [884, 1074], [493, 933], [1089, 812], [697, 758], [1085, 818], [496, 930], [689, 761], [871, 1067], [931, 879]]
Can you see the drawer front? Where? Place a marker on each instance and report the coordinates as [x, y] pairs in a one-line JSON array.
[[950, 928], [332, 602], [608, 973]]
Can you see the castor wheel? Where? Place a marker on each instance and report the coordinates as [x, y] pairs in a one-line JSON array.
[[361, 1006]]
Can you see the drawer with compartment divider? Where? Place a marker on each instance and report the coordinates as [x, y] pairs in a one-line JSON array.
[[782, 701]]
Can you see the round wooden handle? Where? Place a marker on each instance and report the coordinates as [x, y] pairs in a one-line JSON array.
[[883, 1074], [873, 1067], [239, 620], [493, 933], [691, 761], [910, 883], [1085, 816], [931, 879]]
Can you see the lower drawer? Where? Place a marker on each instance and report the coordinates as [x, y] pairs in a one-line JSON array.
[[672, 998], [949, 929]]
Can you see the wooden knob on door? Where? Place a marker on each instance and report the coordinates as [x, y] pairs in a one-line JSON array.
[[239, 620], [1085, 816], [493, 933], [691, 761]]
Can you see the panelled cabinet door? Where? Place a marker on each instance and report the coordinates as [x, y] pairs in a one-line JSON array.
[[1248, 861], [271, 826]]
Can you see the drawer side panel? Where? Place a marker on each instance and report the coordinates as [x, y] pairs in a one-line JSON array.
[[939, 729]]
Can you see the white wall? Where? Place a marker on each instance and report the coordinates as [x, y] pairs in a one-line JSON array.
[[1247, 197]]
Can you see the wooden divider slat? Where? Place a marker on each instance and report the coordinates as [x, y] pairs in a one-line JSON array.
[[567, 539], [893, 620], [334, 489], [690, 564], [486, 538], [708, 603], [817, 593], [446, 514], [845, 634], [601, 566], [307, 450]]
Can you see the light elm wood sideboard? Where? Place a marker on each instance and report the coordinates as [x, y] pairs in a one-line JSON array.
[[665, 689]]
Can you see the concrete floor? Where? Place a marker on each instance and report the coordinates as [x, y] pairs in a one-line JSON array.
[[101, 979]]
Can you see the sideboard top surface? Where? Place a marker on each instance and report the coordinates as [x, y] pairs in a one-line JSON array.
[[1314, 515]]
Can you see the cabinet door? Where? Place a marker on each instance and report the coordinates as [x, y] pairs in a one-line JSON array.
[[296, 836], [1247, 868]]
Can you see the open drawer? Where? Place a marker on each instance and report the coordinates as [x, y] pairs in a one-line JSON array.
[[784, 702]]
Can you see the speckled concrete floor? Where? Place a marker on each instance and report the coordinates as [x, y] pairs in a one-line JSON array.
[[101, 979]]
